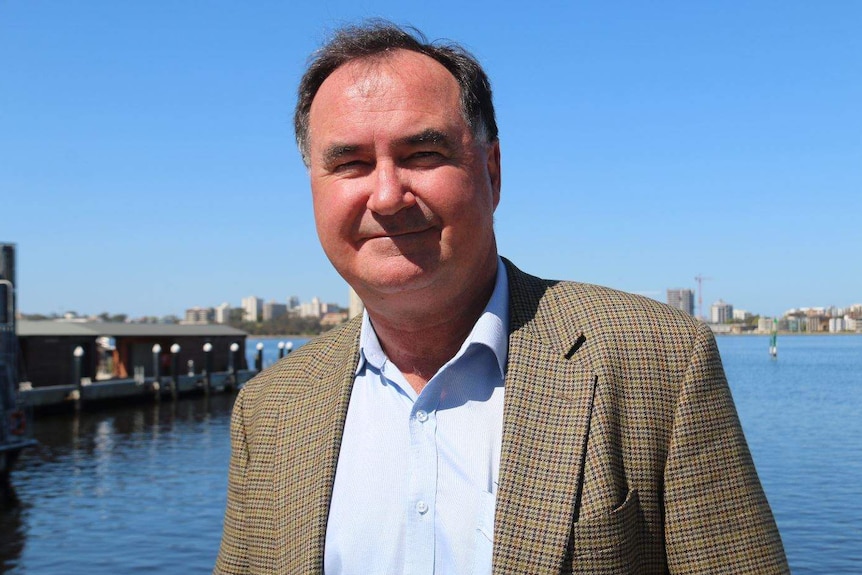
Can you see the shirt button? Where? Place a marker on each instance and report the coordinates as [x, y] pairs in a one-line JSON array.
[[422, 507], [422, 416]]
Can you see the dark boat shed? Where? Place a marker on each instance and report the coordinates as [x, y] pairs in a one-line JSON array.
[[119, 350]]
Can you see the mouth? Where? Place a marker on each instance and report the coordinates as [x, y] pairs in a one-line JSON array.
[[395, 235], [410, 232], [410, 225]]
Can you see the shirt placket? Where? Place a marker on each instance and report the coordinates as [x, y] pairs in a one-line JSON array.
[[420, 544]]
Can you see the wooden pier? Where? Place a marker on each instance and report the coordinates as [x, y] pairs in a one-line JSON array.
[[166, 388]]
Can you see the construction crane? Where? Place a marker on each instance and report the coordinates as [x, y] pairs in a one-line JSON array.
[[700, 279]]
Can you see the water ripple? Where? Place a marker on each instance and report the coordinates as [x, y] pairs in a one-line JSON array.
[[142, 489]]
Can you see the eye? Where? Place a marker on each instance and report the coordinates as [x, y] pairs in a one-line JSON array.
[[351, 166], [426, 158]]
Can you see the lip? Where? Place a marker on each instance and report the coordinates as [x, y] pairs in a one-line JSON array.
[[402, 234]]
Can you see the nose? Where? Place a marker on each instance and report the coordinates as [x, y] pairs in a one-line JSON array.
[[390, 193]]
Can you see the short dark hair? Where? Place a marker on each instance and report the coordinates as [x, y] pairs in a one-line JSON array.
[[378, 37]]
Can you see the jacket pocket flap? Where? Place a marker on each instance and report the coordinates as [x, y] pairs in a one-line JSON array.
[[603, 533]]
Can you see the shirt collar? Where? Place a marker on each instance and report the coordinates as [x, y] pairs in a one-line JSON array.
[[490, 330]]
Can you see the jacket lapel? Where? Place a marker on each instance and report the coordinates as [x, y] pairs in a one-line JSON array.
[[549, 395], [309, 430]]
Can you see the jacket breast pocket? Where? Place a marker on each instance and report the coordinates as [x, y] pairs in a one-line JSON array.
[[609, 543]]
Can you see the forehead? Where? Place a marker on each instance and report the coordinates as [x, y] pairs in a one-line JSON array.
[[394, 81]]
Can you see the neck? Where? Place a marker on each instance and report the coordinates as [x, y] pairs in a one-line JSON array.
[[419, 342]]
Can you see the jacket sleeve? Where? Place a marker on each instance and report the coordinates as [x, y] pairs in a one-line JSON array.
[[717, 519], [233, 554]]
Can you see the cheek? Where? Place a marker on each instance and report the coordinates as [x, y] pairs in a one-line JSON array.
[[462, 199], [325, 215], [334, 214]]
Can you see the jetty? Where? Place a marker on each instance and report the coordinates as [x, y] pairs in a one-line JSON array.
[[76, 364], [71, 365]]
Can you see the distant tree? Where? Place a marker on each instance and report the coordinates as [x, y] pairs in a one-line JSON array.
[[285, 325]]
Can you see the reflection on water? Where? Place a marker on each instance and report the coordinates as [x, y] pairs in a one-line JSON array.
[[142, 489], [124, 490], [802, 415]]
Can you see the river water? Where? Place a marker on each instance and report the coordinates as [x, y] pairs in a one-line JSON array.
[[141, 489]]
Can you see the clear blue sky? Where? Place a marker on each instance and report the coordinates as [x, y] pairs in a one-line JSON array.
[[147, 161]]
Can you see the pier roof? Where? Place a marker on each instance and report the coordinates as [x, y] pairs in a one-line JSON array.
[[49, 328]]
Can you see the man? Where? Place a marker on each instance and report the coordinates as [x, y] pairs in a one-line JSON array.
[[476, 419]]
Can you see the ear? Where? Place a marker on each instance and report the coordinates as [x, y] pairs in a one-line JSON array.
[[493, 167]]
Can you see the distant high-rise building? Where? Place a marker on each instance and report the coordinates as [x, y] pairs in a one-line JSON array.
[[722, 312], [681, 299], [314, 308], [741, 314], [355, 306], [199, 315], [273, 310], [222, 313], [814, 323], [252, 307], [764, 324]]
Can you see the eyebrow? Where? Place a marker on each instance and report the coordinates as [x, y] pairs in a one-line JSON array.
[[337, 151], [432, 136], [427, 136]]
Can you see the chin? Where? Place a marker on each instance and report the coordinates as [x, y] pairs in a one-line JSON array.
[[384, 278]]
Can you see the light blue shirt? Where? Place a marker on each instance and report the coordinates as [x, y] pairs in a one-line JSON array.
[[416, 482]]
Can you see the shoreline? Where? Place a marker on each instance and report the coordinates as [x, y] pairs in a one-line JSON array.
[[787, 333]]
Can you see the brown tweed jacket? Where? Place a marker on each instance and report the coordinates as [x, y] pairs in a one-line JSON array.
[[622, 451]]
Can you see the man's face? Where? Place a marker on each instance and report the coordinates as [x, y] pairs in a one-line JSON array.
[[403, 194]]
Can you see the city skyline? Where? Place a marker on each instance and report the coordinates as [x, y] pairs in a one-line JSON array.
[[149, 163], [294, 303]]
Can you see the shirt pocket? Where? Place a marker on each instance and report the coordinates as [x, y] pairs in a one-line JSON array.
[[483, 547], [609, 543]]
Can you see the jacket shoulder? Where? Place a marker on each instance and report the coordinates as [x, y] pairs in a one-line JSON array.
[[313, 362], [591, 309], [618, 331]]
